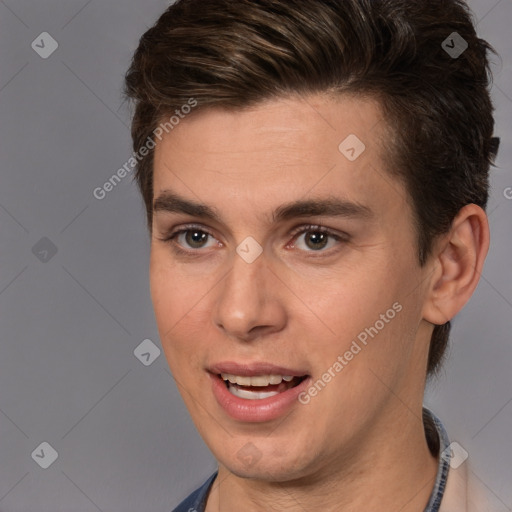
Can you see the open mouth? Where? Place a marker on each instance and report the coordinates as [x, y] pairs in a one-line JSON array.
[[260, 386]]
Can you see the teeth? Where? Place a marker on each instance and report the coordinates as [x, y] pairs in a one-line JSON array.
[[259, 380], [251, 395]]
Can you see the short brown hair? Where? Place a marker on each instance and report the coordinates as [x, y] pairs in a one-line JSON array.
[[235, 53]]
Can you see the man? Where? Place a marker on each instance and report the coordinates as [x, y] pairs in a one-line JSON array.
[[315, 176]]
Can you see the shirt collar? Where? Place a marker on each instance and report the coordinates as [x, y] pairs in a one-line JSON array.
[[443, 465]]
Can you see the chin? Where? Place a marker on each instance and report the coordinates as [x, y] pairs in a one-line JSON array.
[[249, 462]]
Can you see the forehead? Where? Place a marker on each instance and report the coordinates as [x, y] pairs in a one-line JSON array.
[[277, 151], [297, 123]]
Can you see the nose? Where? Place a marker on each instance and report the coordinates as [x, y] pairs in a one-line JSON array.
[[250, 301]]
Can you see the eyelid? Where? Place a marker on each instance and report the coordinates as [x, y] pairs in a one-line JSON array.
[[315, 228], [190, 227], [173, 233], [304, 228]]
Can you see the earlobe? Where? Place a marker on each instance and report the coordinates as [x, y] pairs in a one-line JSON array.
[[458, 262]]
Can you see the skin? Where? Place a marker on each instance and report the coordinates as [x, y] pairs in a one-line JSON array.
[[301, 307]]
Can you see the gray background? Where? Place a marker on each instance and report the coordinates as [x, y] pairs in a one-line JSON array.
[[69, 325]]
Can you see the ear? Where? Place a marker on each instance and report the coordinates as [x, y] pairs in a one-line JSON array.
[[457, 264]]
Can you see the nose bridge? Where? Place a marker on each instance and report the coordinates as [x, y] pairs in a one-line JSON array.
[[246, 298], [244, 285]]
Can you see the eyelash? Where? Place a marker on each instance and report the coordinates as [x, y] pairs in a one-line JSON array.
[[310, 228]]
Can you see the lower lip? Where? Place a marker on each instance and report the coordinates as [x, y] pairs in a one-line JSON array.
[[265, 409]]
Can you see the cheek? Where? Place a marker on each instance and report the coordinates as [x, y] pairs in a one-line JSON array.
[[175, 289], [180, 305], [348, 299], [372, 307]]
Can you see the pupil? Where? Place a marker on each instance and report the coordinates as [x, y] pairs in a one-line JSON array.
[[318, 240], [196, 238]]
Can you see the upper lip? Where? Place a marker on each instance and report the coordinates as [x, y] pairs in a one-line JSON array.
[[254, 369]]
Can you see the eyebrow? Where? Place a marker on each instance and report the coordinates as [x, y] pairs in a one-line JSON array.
[[328, 207]]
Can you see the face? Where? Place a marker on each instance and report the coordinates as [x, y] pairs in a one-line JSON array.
[[284, 261]]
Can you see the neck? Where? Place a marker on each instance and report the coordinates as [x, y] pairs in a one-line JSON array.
[[393, 470]]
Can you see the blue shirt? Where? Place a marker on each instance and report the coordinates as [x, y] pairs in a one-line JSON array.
[[196, 502]]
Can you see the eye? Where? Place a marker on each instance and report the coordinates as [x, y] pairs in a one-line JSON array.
[[193, 238], [190, 238], [316, 239]]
